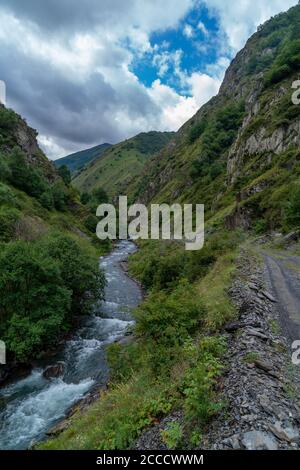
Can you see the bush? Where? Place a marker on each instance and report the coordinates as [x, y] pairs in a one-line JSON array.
[[47, 200], [7, 196], [59, 196], [5, 173], [91, 223], [200, 379], [79, 271], [22, 177], [65, 174], [33, 300], [165, 320], [8, 219], [8, 119], [44, 285], [292, 208]]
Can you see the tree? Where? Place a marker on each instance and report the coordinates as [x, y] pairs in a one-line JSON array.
[[80, 273], [65, 174], [33, 301]]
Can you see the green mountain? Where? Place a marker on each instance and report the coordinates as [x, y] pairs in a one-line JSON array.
[[77, 160], [239, 155], [121, 164], [42, 227]]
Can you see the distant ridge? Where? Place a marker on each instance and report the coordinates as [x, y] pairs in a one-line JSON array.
[[77, 160]]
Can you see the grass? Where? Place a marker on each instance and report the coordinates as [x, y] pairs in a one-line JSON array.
[[213, 292], [251, 357], [116, 419]]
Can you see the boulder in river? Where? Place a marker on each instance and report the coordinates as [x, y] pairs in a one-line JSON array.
[[54, 371]]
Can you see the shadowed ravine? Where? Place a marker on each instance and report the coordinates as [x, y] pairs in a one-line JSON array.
[[31, 406]]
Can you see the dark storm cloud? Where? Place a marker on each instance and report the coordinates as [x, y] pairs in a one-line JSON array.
[[66, 15], [74, 112]]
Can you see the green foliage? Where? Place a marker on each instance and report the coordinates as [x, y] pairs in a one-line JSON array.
[[8, 219], [165, 320], [33, 300], [99, 196], [200, 378], [80, 273], [43, 286], [5, 173], [259, 63], [91, 222], [217, 137], [25, 178], [196, 131], [65, 174], [85, 198], [286, 63], [6, 195], [292, 208], [47, 200], [59, 196], [8, 119], [173, 435]]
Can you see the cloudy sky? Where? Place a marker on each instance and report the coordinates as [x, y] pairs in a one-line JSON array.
[[93, 71]]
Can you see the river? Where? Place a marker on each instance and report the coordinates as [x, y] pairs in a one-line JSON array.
[[30, 406]]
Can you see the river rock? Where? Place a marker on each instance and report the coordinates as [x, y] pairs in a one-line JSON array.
[[58, 429], [288, 433], [258, 440], [54, 371]]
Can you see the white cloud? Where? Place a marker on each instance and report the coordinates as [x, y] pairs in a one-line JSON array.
[[73, 79], [188, 31], [203, 87], [240, 18], [203, 28], [176, 109]]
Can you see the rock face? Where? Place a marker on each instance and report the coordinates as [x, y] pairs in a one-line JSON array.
[[54, 371], [261, 143]]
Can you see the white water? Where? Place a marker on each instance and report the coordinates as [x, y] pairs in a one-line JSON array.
[[30, 407]]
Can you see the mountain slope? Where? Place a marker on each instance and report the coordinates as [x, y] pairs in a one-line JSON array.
[[121, 164], [43, 227], [240, 153], [77, 160]]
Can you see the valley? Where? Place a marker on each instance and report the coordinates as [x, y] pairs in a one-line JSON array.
[[205, 359]]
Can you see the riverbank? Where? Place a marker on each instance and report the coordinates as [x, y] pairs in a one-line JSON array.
[[33, 405]]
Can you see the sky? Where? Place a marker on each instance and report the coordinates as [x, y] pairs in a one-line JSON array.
[[87, 72]]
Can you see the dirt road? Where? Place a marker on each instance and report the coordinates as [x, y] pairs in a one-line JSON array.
[[283, 277]]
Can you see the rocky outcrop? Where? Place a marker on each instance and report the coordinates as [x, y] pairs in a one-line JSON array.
[[262, 143]]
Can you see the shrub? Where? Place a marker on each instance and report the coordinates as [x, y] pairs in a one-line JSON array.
[[79, 271], [166, 320], [59, 196], [200, 379], [292, 208], [33, 299], [91, 223], [47, 200], [5, 173], [65, 174], [6, 195], [8, 219]]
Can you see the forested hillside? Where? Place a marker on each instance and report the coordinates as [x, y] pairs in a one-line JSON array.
[[119, 167], [48, 256]]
